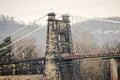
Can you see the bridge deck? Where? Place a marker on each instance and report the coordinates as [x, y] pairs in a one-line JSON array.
[[79, 56]]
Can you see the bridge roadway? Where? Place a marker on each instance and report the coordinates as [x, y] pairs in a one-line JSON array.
[[68, 56], [79, 56]]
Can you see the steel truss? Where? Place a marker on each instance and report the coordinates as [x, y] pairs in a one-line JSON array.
[[23, 67]]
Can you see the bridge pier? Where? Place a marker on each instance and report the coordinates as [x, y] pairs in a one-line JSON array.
[[114, 69], [51, 67]]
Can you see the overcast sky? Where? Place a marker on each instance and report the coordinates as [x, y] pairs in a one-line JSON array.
[[29, 10]]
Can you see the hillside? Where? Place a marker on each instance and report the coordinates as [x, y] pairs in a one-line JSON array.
[[100, 32]]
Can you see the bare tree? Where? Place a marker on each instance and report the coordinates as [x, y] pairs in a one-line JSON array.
[[25, 49]]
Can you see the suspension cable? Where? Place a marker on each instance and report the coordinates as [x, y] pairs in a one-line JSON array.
[[23, 27]]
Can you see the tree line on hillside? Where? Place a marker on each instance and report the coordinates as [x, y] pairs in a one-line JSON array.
[[22, 50]]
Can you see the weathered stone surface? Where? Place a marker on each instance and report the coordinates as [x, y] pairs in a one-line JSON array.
[[50, 67], [59, 41]]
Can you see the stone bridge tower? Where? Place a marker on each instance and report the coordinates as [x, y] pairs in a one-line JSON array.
[[65, 37], [51, 48], [59, 41]]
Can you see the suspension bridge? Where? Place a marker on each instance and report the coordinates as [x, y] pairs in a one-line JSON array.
[[65, 42]]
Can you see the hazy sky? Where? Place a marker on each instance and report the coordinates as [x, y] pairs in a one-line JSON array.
[[29, 10]]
